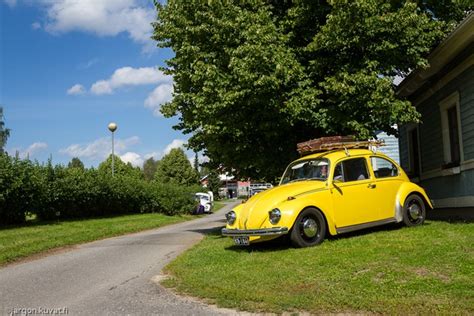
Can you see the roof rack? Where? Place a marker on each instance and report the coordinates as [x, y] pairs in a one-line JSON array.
[[336, 142]]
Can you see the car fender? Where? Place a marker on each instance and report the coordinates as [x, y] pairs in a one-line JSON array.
[[404, 191], [320, 200]]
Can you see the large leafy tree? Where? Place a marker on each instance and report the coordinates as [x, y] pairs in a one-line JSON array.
[[76, 163], [120, 168], [4, 132], [253, 78], [214, 182], [176, 168], [149, 168]]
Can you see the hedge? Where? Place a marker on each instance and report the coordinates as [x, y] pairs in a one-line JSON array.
[[59, 192]]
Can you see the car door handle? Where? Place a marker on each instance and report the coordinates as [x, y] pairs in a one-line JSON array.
[[372, 186]]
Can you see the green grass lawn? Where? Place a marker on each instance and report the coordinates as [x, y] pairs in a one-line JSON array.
[[218, 205], [36, 237], [391, 270]]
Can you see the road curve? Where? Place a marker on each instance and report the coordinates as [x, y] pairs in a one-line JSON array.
[[112, 276]]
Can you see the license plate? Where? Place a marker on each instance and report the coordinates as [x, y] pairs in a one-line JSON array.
[[241, 241]]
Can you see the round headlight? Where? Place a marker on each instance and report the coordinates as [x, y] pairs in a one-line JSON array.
[[230, 217], [274, 216]]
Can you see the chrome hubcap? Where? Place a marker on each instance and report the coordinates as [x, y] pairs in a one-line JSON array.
[[415, 211], [310, 228]]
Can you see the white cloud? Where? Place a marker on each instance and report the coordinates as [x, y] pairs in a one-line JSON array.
[[160, 95], [10, 3], [155, 155], [128, 76], [76, 89], [201, 158], [30, 151], [101, 17], [137, 160], [101, 87], [176, 143], [35, 25], [130, 157], [99, 149], [35, 148]]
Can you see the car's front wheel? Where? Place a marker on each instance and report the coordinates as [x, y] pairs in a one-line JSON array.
[[414, 211], [309, 228]]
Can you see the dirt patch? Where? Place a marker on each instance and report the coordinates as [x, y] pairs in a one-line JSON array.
[[424, 272]]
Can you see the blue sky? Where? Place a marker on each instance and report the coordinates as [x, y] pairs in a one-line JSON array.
[[69, 67]]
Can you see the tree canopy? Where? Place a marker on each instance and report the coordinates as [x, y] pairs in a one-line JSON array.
[[4, 132], [149, 168], [253, 78], [76, 163], [120, 168], [176, 168], [214, 182]]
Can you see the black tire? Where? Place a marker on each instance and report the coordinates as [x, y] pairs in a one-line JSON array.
[[414, 211], [315, 228]]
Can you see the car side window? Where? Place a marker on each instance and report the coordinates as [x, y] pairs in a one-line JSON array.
[[383, 168], [351, 170], [338, 174]]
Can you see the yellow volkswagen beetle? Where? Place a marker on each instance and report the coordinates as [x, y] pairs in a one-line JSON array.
[[331, 192]]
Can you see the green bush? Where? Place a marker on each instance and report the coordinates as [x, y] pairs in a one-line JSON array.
[[60, 192], [20, 183], [174, 199]]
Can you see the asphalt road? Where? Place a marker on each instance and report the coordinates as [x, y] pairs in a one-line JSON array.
[[112, 276]]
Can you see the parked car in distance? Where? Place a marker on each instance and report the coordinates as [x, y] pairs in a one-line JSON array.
[[206, 200], [333, 192]]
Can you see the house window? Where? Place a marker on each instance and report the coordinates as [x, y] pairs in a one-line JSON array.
[[413, 152], [453, 134], [451, 130]]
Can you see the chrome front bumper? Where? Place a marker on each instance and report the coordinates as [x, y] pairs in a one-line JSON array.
[[255, 232]]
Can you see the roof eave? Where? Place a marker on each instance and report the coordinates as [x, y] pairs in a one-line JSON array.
[[449, 48]]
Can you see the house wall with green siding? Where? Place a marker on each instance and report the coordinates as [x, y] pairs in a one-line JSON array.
[[431, 142]]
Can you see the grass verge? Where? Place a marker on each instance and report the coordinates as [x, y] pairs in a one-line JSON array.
[[392, 270], [218, 205], [36, 237]]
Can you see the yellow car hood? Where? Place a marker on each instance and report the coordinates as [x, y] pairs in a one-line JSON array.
[[254, 212]]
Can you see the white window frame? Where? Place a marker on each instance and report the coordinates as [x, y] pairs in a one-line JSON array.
[[444, 105]]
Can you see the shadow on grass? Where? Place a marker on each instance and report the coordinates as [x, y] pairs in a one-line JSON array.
[[284, 243], [277, 244], [461, 215]]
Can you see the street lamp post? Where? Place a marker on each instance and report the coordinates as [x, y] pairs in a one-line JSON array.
[[113, 128]]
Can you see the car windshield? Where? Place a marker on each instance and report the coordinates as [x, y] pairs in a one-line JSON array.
[[311, 169]]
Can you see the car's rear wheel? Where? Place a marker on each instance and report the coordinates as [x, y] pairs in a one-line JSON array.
[[414, 210], [309, 228]]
